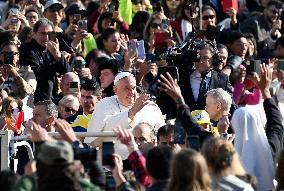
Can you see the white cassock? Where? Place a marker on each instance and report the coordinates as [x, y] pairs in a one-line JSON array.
[[109, 113]]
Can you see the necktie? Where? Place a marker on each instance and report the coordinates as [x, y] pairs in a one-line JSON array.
[[203, 86]]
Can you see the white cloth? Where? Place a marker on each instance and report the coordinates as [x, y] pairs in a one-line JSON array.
[[186, 28], [252, 145], [110, 113], [195, 81]]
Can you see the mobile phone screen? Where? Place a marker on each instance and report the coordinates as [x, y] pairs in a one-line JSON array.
[[141, 49], [281, 64], [52, 36], [132, 48], [107, 154]]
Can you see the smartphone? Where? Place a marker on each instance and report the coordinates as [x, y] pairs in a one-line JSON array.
[[165, 24], [107, 154], [150, 57], [193, 142], [114, 5], [14, 20], [132, 48], [227, 4], [140, 49], [179, 133], [172, 70], [73, 87], [8, 58], [252, 66], [160, 39], [281, 65], [79, 64], [76, 18], [14, 11], [82, 24], [52, 36]]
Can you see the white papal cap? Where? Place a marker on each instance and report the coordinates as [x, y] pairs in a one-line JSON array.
[[121, 75]]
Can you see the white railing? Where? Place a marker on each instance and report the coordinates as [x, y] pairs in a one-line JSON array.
[[9, 146]]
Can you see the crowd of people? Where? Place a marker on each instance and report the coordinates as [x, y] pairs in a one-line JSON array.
[[194, 95]]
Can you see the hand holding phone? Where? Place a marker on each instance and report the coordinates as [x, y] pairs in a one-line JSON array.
[[107, 154], [82, 24], [52, 36], [132, 48], [160, 39], [140, 49]]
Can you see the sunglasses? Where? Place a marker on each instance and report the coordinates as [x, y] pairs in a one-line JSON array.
[[9, 53], [208, 17], [155, 25], [167, 143], [274, 12], [68, 109]]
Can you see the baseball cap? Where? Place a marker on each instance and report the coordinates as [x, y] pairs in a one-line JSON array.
[[58, 152], [52, 2], [201, 117]]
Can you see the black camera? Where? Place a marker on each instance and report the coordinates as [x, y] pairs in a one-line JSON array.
[[8, 58], [79, 64], [252, 66], [85, 155]]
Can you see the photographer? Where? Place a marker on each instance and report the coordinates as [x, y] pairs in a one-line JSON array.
[[20, 81]]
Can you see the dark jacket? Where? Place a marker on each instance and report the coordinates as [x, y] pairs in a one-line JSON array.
[[160, 185], [274, 127], [44, 66], [218, 80], [190, 126]]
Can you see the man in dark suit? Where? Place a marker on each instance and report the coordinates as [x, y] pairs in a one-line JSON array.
[[201, 79]]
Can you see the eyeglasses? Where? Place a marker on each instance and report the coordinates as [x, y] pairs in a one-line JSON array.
[[274, 12], [68, 109], [170, 143], [140, 139], [155, 25], [208, 17], [9, 53], [44, 33]]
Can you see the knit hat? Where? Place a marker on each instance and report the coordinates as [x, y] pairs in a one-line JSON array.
[[201, 117], [58, 152]]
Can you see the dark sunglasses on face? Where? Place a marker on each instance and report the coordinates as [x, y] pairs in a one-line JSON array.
[[155, 25], [9, 53], [274, 12], [167, 143], [208, 17], [68, 109]]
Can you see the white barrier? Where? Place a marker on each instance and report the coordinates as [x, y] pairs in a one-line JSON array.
[[8, 140]]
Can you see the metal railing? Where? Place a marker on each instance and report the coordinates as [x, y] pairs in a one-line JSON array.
[[9, 144]]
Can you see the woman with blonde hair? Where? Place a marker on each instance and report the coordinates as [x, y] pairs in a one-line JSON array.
[[189, 172], [224, 164]]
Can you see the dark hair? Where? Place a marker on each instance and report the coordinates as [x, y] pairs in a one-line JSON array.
[[222, 46], [6, 36], [279, 42], [93, 86], [139, 22], [100, 20], [278, 4], [24, 34], [250, 37], [158, 162], [165, 130], [111, 64], [31, 10], [41, 22], [8, 43], [8, 179], [50, 107], [208, 7], [166, 9], [108, 32], [234, 36]]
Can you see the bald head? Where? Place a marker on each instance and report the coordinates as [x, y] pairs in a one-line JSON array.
[[66, 80]]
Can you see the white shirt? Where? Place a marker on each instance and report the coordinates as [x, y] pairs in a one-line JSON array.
[[195, 81], [109, 113]]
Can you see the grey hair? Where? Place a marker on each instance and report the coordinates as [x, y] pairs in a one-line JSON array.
[[220, 95], [42, 22], [49, 106], [152, 128], [69, 99]]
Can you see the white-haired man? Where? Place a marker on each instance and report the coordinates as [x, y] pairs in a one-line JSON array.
[[125, 108], [218, 104]]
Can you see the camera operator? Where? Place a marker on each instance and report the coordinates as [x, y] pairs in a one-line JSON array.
[[19, 81], [202, 78]]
